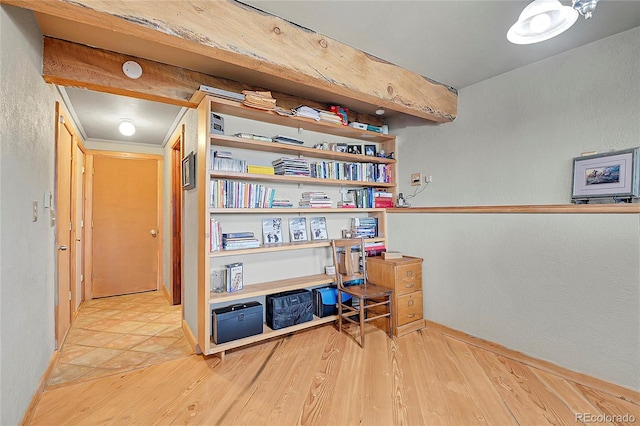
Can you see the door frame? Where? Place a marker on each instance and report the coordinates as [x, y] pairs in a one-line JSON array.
[[63, 295], [175, 249], [89, 156]]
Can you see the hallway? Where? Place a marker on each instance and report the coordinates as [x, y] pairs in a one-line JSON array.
[[118, 334]]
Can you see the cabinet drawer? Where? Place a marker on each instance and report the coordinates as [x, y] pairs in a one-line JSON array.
[[408, 279], [409, 308]]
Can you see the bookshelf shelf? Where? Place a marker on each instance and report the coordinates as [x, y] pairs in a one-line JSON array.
[[224, 106], [267, 333], [296, 179], [281, 148], [262, 289], [286, 210], [317, 253], [281, 247]]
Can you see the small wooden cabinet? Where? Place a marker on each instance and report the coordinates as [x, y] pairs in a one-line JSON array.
[[404, 276]]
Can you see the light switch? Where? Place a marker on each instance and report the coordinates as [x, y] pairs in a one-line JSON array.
[[35, 211]]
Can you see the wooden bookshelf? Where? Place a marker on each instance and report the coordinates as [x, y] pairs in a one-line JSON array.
[[289, 149], [224, 106], [300, 245]]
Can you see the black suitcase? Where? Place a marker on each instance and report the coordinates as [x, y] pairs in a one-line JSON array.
[[289, 308], [236, 321]]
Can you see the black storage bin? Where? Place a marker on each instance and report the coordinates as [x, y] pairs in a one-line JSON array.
[[289, 308], [236, 321], [325, 301]]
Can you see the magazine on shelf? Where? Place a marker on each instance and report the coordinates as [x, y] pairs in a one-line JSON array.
[[272, 231], [298, 229], [318, 227], [234, 277]]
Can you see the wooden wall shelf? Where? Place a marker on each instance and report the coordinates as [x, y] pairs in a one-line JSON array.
[[528, 209]]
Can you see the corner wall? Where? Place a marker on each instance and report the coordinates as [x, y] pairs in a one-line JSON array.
[[27, 153], [559, 287]]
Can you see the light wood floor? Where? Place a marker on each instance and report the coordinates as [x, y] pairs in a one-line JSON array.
[[321, 377]]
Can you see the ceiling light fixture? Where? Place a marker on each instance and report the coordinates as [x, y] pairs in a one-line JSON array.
[[380, 111], [585, 7], [126, 127], [542, 20]]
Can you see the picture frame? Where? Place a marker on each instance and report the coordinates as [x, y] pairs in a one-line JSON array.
[[354, 149], [341, 147], [298, 229], [611, 175], [235, 278], [370, 150], [318, 228], [189, 171], [272, 231]]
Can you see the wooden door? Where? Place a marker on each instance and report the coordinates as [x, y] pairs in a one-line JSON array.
[[126, 249], [64, 144], [77, 218], [176, 219]]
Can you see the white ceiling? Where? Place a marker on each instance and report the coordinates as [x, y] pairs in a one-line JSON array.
[[454, 42]]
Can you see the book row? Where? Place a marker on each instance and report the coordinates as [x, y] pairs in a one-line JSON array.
[[299, 230]]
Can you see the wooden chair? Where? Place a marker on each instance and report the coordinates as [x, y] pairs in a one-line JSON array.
[[374, 302]]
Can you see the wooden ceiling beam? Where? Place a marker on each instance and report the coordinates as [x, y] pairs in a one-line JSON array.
[[76, 65], [237, 35]]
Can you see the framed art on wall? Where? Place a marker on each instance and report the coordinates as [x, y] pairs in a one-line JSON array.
[[608, 175], [189, 171]]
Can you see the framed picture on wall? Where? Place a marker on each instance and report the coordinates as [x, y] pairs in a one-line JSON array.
[[608, 175], [189, 171]]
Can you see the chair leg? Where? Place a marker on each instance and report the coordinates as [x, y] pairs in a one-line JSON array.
[[362, 313], [339, 311]]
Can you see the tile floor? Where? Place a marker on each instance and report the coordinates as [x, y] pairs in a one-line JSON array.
[[120, 333]]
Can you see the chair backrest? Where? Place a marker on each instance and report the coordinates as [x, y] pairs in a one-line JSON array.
[[353, 265]]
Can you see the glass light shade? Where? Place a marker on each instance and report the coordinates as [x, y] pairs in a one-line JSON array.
[[127, 128], [540, 21]]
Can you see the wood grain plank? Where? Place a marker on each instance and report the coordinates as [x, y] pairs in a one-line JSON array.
[[492, 406], [569, 393], [256, 45], [527, 398], [617, 411]]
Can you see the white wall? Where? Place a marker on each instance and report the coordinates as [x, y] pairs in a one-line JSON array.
[[563, 288], [27, 140]]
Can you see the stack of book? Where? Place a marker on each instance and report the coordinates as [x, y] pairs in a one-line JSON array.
[[382, 199], [259, 100], [260, 170], [374, 248], [291, 166], [315, 199], [287, 139], [307, 112], [222, 160], [364, 227], [281, 203], [331, 117], [239, 240]]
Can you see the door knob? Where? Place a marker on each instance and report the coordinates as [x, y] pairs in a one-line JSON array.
[[154, 232], [62, 248]]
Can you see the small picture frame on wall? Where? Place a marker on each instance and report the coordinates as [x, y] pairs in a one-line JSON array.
[[613, 175], [189, 171]]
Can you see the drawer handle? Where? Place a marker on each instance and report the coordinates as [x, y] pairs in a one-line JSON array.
[[411, 315], [409, 285], [410, 303], [409, 273]]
